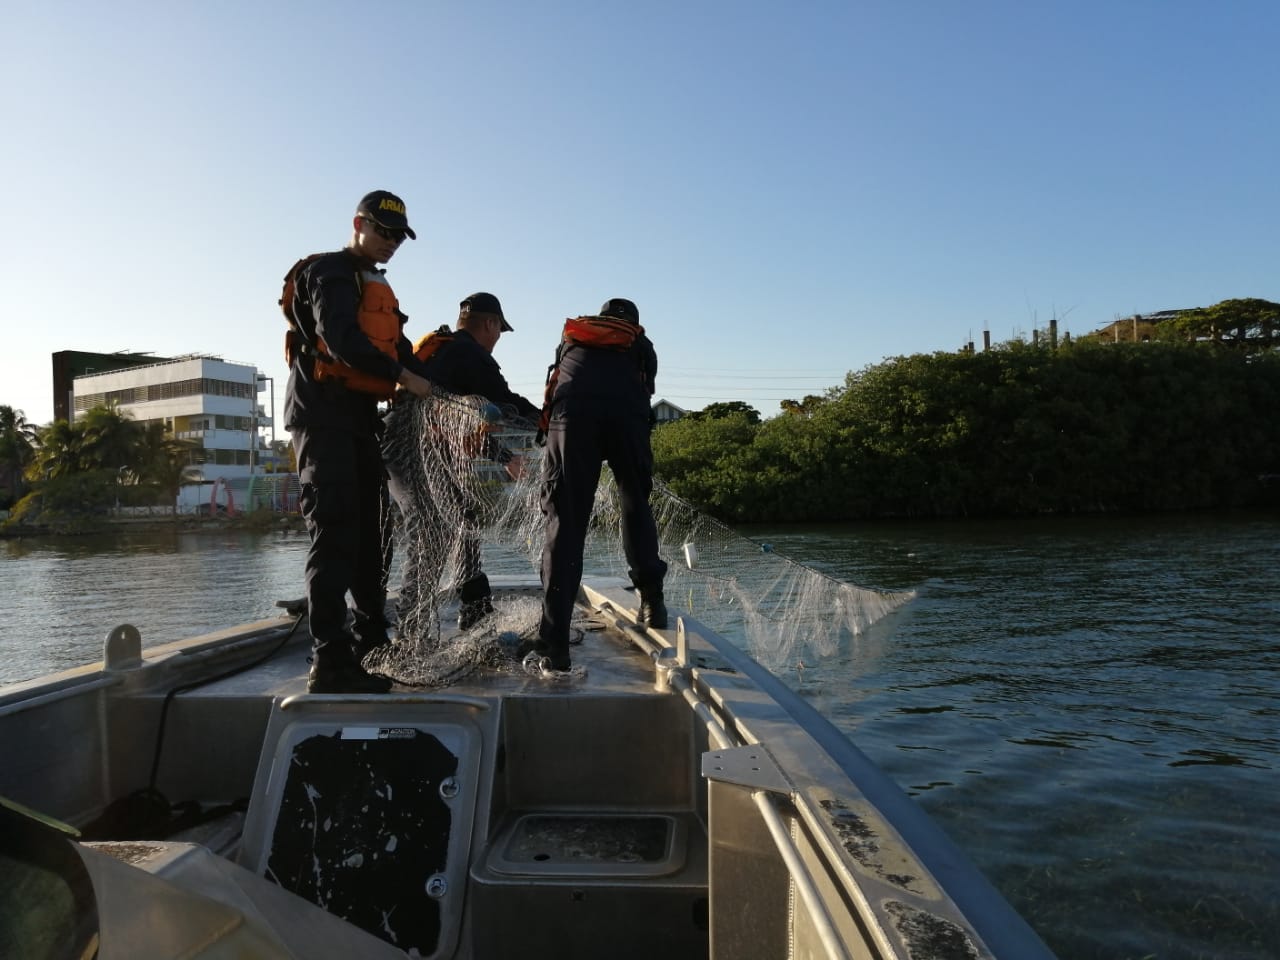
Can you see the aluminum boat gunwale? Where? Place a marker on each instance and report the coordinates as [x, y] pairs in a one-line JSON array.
[[791, 842]]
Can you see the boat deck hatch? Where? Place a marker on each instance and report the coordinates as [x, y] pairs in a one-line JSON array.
[[367, 813], [573, 844]]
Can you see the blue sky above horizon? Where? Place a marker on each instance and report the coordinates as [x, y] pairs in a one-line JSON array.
[[788, 191]]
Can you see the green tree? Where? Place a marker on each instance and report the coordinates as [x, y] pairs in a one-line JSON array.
[[162, 462], [102, 439], [102, 459], [283, 450], [719, 411], [696, 455], [1250, 323], [802, 408], [1088, 427], [17, 449], [109, 439], [68, 503], [57, 451]]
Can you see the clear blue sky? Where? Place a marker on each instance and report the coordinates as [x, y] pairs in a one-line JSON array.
[[789, 191]]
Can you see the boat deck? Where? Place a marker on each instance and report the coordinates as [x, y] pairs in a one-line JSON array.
[[613, 664], [503, 814], [534, 795]]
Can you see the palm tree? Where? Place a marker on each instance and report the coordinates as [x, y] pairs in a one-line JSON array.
[[102, 439], [62, 486], [163, 460], [58, 451], [83, 464], [109, 438], [17, 449]]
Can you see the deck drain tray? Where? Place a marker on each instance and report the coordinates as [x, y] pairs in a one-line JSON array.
[[591, 845]]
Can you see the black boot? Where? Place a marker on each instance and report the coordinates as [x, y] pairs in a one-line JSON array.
[[335, 670], [369, 634], [653, 611], [477, 602], [368, 638]]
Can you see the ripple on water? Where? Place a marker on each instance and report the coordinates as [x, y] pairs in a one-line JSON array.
[[1090, 709], [65, 594]]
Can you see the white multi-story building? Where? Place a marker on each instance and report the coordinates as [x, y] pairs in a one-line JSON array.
[[198, 398]]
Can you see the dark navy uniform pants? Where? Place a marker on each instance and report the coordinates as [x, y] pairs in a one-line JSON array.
[[583, 433], [345, 504]]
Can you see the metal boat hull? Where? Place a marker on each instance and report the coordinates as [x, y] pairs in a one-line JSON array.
[[679, 801]]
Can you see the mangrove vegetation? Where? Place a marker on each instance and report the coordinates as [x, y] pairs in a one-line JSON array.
[[1084, 426]]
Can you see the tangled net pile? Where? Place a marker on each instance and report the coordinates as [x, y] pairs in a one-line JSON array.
[[456, 500]]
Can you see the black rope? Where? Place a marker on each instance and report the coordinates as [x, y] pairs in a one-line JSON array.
[[145, 812], [204, 681]]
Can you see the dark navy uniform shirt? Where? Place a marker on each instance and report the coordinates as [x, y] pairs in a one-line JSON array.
[[464, 367], [623, 377], [326, 301]]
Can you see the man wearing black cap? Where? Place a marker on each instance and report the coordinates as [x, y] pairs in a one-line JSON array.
[[351, 353], [464, 365], [598, 412]]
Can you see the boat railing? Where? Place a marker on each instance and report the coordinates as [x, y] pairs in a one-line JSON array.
[[871, 870], [22, 697]]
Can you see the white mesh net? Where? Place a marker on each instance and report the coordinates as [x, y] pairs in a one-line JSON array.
[[461, 511]]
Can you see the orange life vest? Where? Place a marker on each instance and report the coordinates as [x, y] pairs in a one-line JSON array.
[[427, 346], [378, 316], [431, 342], [604, 333]]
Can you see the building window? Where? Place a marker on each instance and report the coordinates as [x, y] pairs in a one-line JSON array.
[[145, 393]]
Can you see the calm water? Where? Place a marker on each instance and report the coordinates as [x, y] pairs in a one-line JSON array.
[[1090, 708]]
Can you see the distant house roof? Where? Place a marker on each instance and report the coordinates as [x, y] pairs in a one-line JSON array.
[[1157, 316], [1136, 327], [665, 410], [1161, 315]]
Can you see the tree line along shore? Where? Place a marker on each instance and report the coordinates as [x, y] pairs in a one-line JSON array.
[[1087, 427], [1182, 416]]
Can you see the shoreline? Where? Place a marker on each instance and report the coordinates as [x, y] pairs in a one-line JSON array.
[[253, 523]]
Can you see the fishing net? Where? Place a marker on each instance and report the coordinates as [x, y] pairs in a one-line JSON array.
[[460, 514]]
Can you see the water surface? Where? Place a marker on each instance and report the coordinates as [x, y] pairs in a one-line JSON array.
[[1090, 708]]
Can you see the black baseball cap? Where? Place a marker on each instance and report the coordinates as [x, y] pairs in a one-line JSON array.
[[386, 209], [483, 303], [621, 309]]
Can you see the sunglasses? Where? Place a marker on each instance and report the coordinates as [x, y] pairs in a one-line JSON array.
[[386, 233]]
